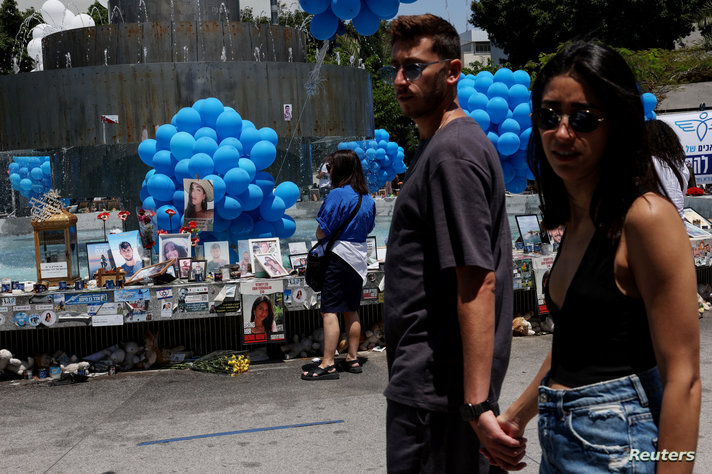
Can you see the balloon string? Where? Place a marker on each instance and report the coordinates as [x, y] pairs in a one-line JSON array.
[[312, 87]]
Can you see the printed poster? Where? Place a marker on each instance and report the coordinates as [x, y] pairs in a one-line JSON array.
[[263, 314]]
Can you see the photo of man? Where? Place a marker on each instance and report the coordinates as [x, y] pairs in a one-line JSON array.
[[126, 249], [287, 112], [218, 254], [131, 264]]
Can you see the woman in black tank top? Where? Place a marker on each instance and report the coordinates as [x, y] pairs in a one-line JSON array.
[[621, 386]]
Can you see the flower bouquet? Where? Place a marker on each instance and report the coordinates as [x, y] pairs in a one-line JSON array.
[[220, 362]]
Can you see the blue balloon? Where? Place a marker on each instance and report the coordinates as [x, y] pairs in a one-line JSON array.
[[229, 208], [251, 198], [483, 82], [385, 9], [504, 75], [497, 109], [521, 114], [517, 185], [366, 22], [482, 118], [220, 225], [201, 165], [649, 102], [228, 124], [210, 110], [519, 161], [263, 230], [161, 187], [493, 137], [163, 136], [324, 25], [15, 180], [36, 173], [263, 154], [521, 77], [205, 145], [13, 167], [179, 199], [206, 132], [477, 101], [508, 171], [146, 150], [249, 137], [346, 9], [498, 89], [181, 145], [288, 192], [232, 141], [314, 7], [518, 94], [508, 143], [182, 171], [166, 221], [524, 138], [163, 163], [509, 125], [248, 165], [236, 181], [188, 120], [242, 225], [226, 158], [269, 134], [219, 186], [46, 168], [285, 227], [464, 94], [24, 172]]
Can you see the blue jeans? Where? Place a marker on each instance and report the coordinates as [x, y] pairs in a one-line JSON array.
[[595, 428]]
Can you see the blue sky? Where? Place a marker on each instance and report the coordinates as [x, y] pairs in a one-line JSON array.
[[455, 11]]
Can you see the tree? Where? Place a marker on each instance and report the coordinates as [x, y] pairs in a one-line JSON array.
[[99, 13], [526, 29], [10, 48]]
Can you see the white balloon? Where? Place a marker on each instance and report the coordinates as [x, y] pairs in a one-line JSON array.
[[42, 30], [80, 21], [104, 3], [53, 12], [34, 50], [68, 17]]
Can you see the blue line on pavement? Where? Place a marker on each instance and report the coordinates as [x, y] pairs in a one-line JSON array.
[[229, 433]]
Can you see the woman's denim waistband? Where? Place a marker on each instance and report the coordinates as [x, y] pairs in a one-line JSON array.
[[645, 386]]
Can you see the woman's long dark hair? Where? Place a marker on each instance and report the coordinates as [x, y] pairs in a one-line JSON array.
[[346, 168], [191, 211], [625, 167], [267, 322], [179, 248]]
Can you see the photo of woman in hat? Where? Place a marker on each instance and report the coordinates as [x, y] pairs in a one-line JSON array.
[[199, 199]]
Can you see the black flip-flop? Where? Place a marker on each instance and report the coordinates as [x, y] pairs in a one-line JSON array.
[[317, 373], [351, 366]]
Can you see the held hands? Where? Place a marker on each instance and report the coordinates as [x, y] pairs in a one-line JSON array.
[[501, 440]]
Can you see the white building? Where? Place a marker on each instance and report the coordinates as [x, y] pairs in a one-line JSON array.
[[476, 47]]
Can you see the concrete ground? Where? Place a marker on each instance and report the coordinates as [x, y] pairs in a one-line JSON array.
[[264, 421]]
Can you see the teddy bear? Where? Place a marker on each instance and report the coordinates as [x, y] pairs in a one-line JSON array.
[[522, 327]]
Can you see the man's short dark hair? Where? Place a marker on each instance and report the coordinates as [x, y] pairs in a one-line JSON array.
[[124, 245], [446, 41]]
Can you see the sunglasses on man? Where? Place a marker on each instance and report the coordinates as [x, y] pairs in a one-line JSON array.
[[582, 121], [411, 72]]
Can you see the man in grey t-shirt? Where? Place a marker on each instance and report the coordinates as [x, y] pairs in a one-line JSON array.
[[448, 291]]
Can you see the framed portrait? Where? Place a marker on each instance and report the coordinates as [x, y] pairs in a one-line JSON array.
[[271, 265], [694, 231], [529, 229], [694, 218], [98, 256], [173, 246], [287, 110], [127, 251], [184, 268], [199, 203], [263, 247], [298, 262], [371, 252], [149, 272], [197, 270], [555, 236], [243, 254], [217, 254]]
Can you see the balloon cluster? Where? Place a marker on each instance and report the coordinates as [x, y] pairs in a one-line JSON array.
[[365, 15], [213, 142], [649, 103], [56, 18], [500, 103], [30, 175], [381, 159]]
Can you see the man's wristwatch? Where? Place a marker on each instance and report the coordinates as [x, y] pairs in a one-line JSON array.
[[470, 412]]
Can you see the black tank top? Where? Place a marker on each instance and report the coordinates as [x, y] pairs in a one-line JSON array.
[[599, 333]]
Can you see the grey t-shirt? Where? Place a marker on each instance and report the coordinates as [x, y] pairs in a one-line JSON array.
[[450, 212]]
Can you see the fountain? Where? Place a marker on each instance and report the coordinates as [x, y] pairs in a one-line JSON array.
[[155, 58]]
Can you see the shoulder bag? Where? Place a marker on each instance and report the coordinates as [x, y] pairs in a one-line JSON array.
[[316, 264]]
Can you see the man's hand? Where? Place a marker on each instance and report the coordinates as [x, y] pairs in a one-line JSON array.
[[499, 447]]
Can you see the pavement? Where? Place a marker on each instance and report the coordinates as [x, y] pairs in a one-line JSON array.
[[266, 420]]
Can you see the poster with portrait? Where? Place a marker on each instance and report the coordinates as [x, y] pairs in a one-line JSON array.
[[99, 256], [243, 253], [298, 262], [217, 254], [271, 266], [263, 311], [371, 253], [264, 247], [542, 265], [287, 109], [127, 251], [199, 203], [173, 246]]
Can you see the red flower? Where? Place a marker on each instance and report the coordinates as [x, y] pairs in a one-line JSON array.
[[103, 216], [123, 215], [161, 231], [194, 241], [192, 224], [694, 191], [184, 230], [170, 212]]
